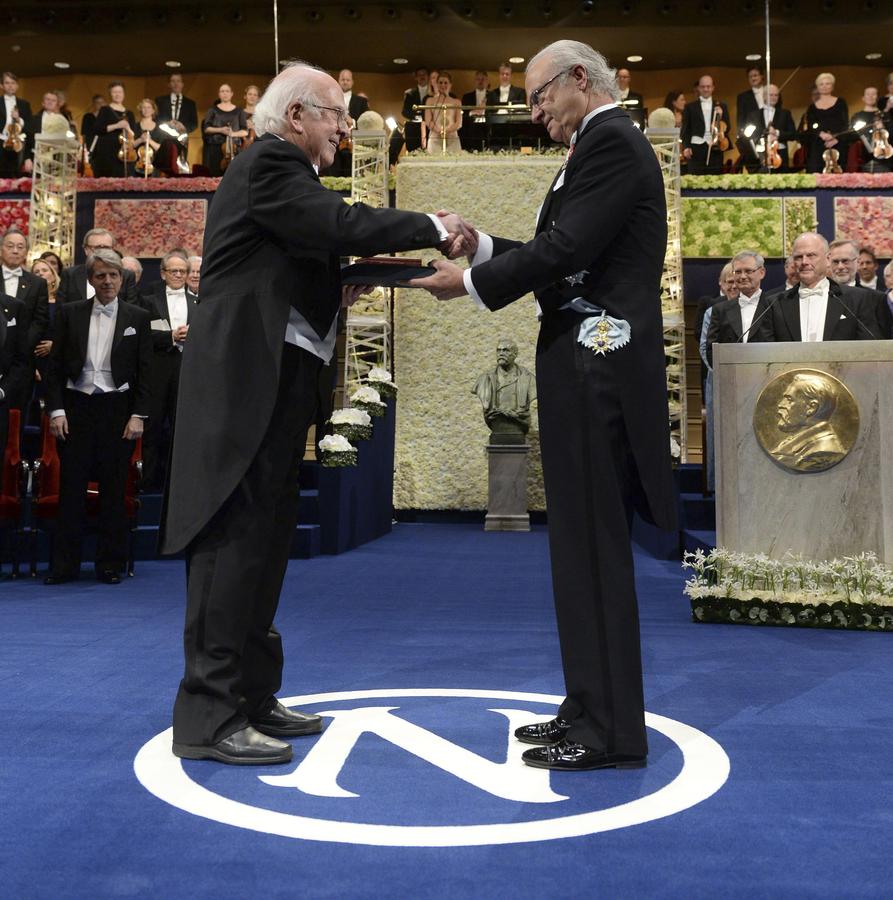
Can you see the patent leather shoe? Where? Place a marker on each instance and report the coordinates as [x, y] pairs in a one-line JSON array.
[[543, 733], [108, 576], [247, 747], [280, 721], [569, 756]]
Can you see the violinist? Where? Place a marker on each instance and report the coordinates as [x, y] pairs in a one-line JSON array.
[[115, 131], [223, 128], [149, 137], [704, 133], [15, 113], [770, 128], [251, 96], [825, 122], [871, 130], [867, 114]]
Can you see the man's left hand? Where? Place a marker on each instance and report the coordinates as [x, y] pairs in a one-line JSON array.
[[350, 293], [133, 429], [446, 284]]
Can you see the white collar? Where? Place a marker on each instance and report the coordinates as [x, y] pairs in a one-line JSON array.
[[823, 285], [744, 300], [706, 100], [591, 115]]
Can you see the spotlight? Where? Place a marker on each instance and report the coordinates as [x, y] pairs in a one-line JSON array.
[[627, 8], [635, 58], [873, 56], [352, 13], [62, 65], [400, 61], [665, 8]]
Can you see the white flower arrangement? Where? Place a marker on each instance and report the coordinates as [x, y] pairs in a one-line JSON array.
[[853, 592], [337, 450], [369, 400], [381, 380], [353, 424]]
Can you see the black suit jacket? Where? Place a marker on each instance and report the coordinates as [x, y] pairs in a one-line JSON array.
[[73, 286], [33, 292], [726, 326], [603, 225], [154, 300], [516, 95], [188, 112], [745, 105], [633, 100], [130, 358], [782, 121], [357, 106], [782, 322], [693, 121], [273, 242], [24, 108], [14, 370], [411, 98]]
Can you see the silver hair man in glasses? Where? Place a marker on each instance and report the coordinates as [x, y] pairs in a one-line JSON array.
[[266, 324], [594, 266]]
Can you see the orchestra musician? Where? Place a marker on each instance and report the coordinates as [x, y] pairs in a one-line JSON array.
[[444, 118], [148, 134], [704, 125], [675, 102], [774, 123], [176, 107], [15, 114], [628, 99], [412, 118], [88, 121], [224, 120], [825, 122], [115, 126], [753, 99], [472, 133]]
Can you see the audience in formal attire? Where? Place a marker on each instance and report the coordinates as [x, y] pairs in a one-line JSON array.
[[505, 93], [168, 303], [43, 269], [24, 286], [17, 110], [867, 274], [731, 320], [98, 396], [134, 267], [74, 284], [825, 122], [629, 99], [54, 260], [195, 274], [472, 134], [698, 118], [223, 128], [843, 262], [14, 367]]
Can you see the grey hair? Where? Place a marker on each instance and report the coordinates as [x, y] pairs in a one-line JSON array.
[[290, 86], [14, 229], [812, 234], [174, 254], [109, 257], [194, 261], [97, 231], [842, 243], [136, 263], [567, 54], [888, 271], [749, 254]]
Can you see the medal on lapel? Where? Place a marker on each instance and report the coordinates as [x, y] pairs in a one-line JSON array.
[[602, 334]]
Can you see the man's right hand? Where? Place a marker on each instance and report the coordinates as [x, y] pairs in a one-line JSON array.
[[463, 239], [59, 427]]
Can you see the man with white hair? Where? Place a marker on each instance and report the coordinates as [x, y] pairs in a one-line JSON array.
[[595, 267], [266, 324], [819, 309], [193, 277]]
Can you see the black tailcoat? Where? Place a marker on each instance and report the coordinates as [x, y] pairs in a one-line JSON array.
[[604, 431], [188, 112], [34, 294], [15, 374]]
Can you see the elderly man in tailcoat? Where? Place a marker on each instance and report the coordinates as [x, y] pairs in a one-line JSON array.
[[595, 267], [271, 291]]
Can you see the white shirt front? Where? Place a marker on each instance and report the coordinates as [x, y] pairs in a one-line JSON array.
[[96, 376], [813, 307], [504, 93], [11, 103], [758, 96], [176, 104], [748, 306], [11, 281], [707, 110], [869, 284], [178, 311], [768, 113], [347, 96]]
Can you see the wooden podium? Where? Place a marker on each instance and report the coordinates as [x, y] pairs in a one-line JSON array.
[[804, 448]]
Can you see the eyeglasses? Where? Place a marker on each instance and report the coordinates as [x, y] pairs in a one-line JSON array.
[[537, 95], [342, 119], [746, 271]]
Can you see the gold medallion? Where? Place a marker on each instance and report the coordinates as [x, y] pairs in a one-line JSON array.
[[806, 420]]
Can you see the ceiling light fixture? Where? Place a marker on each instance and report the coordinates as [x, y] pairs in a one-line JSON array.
[[873, 55], [172, 63], [62, 65], [517, 60], [753, 57], [634, 58], [400, 61]]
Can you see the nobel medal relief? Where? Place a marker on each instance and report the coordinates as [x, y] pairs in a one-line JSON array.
[[806, 420]]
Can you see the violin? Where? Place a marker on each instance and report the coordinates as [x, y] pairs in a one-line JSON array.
[[880, 140], [126, 151], [145, 153], [85, 170], [229, 153], [718, 136], [14, 134], [773, 157], [832, 162]]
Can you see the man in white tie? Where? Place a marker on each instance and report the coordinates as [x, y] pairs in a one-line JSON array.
[[819, 309], [175, 106], [697, 130], [168, 302], [731, 321], [24, 286], [98, 396]]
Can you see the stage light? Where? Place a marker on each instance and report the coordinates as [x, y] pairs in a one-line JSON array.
[[392, 13], [507, 11], [873, 55], [237, 16], [587, 6], [666, 8], [516, 60], [429, 12], [634, 58], [547, 11], [627, 8], [172, 63], [400, 61], [62, 65], [753, 57], [467, 11]]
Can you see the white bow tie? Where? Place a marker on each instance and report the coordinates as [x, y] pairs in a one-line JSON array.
[[748, 301], [810, 292], [108, 310], [180, 292], [9, 273]]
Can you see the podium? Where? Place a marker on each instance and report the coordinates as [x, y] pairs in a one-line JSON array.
[[804, 448]]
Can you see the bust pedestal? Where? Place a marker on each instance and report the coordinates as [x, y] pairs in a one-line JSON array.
[[507, 493]]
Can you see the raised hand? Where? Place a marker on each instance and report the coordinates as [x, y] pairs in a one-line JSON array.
[[446, 284]]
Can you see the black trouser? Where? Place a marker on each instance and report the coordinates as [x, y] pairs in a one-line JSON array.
[[590, 479], [234, 572], [95, 446], [698, 165], [10, 162], [164, 383]]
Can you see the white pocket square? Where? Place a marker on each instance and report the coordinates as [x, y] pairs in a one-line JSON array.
[[128, 331], [11, 322], [843, 315]]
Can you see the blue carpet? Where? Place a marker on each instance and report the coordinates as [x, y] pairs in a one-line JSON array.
[[89, 673]]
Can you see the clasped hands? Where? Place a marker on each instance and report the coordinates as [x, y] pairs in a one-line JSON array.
[[462, 240]]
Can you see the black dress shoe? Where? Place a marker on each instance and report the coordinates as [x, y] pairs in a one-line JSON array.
[[570, 756], [281, 721], [108, 576], [59, 579], [244, 748], [543, 732]]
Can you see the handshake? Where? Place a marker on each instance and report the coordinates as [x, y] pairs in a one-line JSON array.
[[462, 240]]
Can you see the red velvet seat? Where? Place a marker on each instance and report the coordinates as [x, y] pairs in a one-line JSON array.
[[46, 471], [13, 480]]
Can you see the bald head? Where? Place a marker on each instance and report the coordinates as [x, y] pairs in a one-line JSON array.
[[345, 79]]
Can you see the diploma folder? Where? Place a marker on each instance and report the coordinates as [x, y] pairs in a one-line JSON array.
[[385, 271]]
